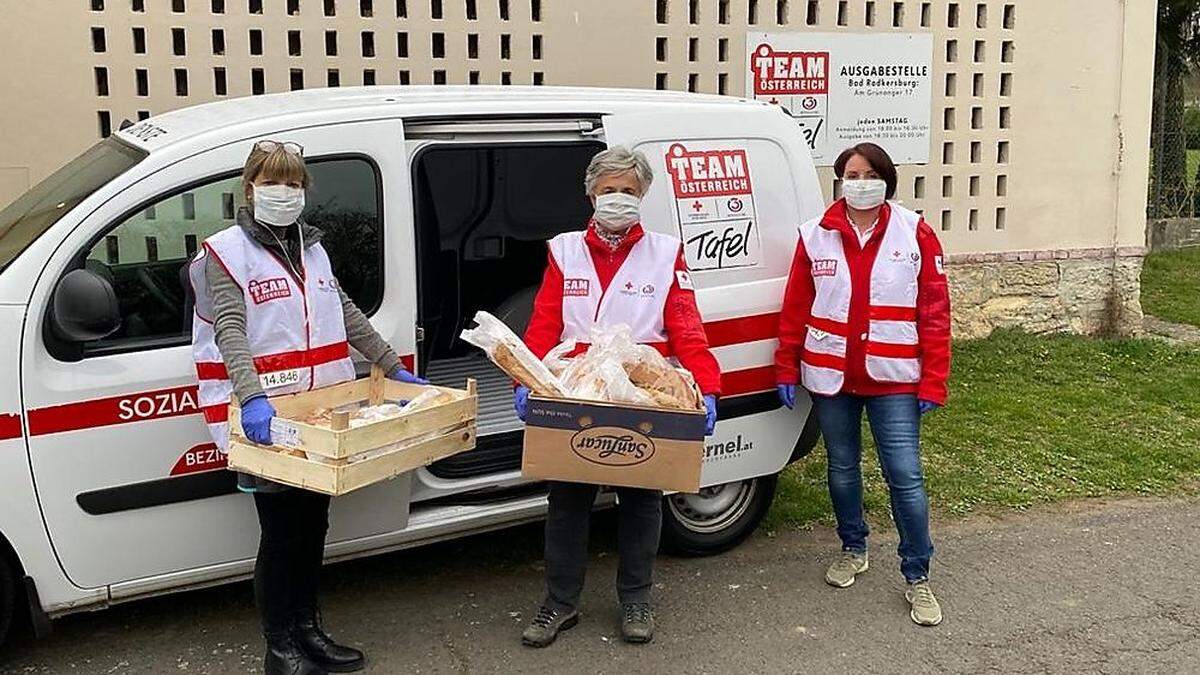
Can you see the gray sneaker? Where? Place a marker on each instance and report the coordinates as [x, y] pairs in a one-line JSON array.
[[843, 570], [637, 624], [925, 608], [546, 625]]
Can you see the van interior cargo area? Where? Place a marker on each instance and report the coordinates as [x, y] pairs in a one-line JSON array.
[[483, 215]]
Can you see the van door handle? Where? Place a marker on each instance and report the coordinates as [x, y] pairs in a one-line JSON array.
[[420, 334]]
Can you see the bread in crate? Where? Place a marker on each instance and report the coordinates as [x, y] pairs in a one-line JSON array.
[[338, 439]]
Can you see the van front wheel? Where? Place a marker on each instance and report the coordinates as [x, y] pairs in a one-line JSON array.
[[718, 518]]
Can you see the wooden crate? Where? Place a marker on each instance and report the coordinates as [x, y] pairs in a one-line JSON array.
[[336, 461]]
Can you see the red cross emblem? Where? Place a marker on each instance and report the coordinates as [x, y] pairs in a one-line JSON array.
[[629, 285], [697, 206]]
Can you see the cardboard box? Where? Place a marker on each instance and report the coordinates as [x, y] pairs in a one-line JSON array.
[[609, 444], [336, 461]]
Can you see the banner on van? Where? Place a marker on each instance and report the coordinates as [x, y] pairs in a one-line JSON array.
[[845, 88], [714, 205]]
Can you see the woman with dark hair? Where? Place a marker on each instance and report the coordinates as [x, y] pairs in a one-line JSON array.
[[866, 326]]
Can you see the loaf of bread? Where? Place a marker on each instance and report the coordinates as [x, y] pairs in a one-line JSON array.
[[511, 355], [669, 386]]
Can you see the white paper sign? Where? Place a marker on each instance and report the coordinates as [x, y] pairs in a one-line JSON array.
[[284, 433], [847, 88], [714, 205], [280, 378]]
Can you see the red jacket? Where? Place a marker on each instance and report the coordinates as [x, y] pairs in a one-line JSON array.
[[933, 311], [681, 318]]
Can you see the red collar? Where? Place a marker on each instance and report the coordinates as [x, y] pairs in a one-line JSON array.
[[594, 242], [835, 218]]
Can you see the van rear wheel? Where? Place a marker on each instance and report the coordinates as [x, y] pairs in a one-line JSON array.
[[718, 518]]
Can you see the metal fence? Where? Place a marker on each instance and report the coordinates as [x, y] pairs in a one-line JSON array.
[[1175, 140]]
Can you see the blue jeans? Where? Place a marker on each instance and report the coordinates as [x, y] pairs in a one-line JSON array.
[[896, 425]]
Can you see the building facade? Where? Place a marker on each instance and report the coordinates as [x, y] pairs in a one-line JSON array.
[[1036, 179]]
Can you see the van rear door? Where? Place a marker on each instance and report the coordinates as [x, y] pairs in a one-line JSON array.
[[733, 182]]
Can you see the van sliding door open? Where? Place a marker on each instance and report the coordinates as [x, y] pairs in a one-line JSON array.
[[484, 207]]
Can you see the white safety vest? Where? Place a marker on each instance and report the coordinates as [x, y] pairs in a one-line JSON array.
[[295, 329], [892, 350], [636, 296]]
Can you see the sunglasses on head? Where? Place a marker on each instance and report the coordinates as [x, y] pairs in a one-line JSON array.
[[288, 147]]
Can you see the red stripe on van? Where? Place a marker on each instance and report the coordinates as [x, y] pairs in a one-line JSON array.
[[10, 427], [124, 409], [748, 381], [102, 412], [742, 329]]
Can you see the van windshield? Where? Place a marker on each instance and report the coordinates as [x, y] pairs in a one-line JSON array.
[[34, 212]]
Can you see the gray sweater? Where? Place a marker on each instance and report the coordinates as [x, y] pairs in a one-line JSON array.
[[229, 320]]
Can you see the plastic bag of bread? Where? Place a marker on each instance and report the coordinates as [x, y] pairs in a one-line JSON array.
[[556, 359], [606, 380], [508, 352], [426, 399], [669, 386]]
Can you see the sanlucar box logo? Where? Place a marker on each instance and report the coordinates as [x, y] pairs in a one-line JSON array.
[[612, 446]]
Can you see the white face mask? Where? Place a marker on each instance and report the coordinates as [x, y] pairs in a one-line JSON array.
[[864, 194], [616, 211], [278, 205]]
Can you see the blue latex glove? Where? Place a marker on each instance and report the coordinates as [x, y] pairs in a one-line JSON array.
[[787, 395], [402, 375], [256, 419], [521, 401], [927, 406], [710, 418]]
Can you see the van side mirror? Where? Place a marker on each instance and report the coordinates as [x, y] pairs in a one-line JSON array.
[[84, 307]]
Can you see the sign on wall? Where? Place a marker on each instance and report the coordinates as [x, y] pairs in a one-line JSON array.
[[714, 205], [845, 88]]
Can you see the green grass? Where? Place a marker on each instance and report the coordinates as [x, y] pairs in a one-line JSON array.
[[1033, 420], [1171, 286]]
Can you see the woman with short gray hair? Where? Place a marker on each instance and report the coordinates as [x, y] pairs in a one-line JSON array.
[[653, 296], [618, 160]]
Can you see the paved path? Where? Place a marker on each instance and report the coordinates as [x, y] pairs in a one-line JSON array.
[[1175, 333], [1090, 587]]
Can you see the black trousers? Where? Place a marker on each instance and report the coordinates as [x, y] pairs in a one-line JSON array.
[[639, 522], [287, 574]]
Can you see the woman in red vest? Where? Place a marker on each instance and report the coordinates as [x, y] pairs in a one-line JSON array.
[[614, 272], [866, 326]]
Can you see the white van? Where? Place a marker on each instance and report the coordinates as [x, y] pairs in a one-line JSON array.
[[437, 202]]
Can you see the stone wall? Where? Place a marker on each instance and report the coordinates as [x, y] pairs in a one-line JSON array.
[[1079, 291], [1172, 233]]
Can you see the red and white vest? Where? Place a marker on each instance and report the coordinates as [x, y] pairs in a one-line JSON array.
[[296, 331], [892, 351], [636, 296]]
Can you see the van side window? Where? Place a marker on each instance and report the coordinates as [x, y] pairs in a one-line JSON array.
[[144, 255]]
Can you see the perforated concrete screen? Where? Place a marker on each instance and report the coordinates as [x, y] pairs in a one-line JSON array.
[[1028, 96]]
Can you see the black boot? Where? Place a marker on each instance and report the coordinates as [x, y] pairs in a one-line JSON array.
[[322, 649], [285, 657]]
